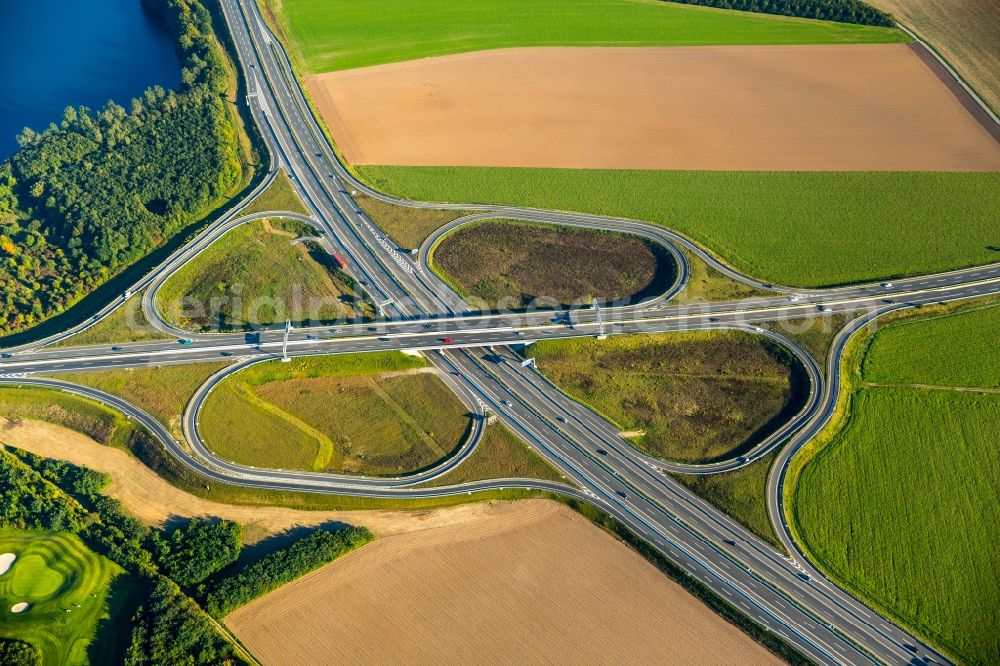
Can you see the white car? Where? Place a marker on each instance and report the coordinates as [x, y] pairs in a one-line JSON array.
[[793, 299], [508, 403], [887, 285]]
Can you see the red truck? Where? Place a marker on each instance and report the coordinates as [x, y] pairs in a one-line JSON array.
[[341, 264]]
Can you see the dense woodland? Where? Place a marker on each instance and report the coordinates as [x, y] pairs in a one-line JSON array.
[[844, 11], [169, 627], [84, 199]]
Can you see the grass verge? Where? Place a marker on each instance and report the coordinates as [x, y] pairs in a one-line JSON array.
[[741, 494], [500, 455], [126, 324], [409, 227], [834, 227], [894, 492], [279, 196], [694, 397]]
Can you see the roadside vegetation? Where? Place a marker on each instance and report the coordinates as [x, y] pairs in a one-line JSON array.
[[409, 227], [126, 324], [322, 39], [382, 413], [741, 493], [163, 392], [705, 284], [815, 334], [259, 274], [692, 397], [890, 498], [82, 201], [279, 196], [846, 11], [830, 230], [515, 265], [500, 455]]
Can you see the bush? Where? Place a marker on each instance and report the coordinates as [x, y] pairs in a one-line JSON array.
[[18, 653], [192, 553], [283, 566]]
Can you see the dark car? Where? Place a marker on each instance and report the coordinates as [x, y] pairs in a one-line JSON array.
[[602, 452], [621, 494]]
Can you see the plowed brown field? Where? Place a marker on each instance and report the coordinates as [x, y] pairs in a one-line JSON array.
[[538, 583], [839, 107], [965, 32]]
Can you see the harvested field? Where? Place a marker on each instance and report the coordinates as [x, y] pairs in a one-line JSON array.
[[150, 498], [537, 576], [965, 32], [767, 108]]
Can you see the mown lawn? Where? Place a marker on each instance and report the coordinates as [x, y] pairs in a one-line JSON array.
[[366, 414], [798, 228], [899, 503], [256, 276], [693, 397], [326, 37], [511, 265], [70, 591]]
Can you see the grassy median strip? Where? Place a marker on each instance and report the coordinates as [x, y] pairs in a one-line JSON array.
[[891, 499]]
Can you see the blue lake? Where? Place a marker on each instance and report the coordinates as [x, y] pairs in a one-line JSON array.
[[59, 53]]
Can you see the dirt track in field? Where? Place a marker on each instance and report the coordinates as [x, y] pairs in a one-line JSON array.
[[151, 499], [839, 107], [965, 32], [537, 583]]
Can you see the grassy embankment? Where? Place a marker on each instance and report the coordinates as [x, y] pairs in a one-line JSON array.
[[379, 413], [110, 428], [254, 276], [692, 397], [325, 39], [79, 602], [832, 229], [407, 226], [510, 264], [894, 497], [126, 324], [279, 196]]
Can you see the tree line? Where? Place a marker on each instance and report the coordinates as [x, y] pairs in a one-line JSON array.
[[843, 11], [83, 199]]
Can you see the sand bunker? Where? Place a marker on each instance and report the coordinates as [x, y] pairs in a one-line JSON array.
[[19, 607], [827, 107], [6, 561]]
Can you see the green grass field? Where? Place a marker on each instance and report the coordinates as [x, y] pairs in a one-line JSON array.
[[741, 493], [163, 391], [279, 196], [955, 350], [368, 414], [327, 37], [254, 275], [74, 596], [511, 265], [833, 227], [692, 397], [896, 503], [500, 455], [91, 418]]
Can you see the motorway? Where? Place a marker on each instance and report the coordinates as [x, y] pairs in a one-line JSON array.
[[483, 365]]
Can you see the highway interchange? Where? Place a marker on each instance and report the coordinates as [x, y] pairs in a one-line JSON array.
[[781, 592]]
